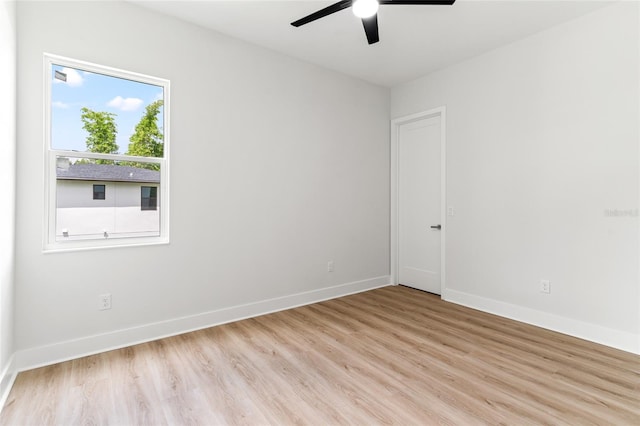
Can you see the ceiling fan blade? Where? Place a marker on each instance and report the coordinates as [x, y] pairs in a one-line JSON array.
[[371, 29], [336, 7], [432, 2]]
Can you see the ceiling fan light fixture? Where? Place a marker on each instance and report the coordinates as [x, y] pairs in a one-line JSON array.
[[365, 8]]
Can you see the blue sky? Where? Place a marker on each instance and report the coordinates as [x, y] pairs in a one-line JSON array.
[[125, 98]]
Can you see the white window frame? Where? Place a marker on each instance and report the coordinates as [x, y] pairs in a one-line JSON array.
[[49, 241]]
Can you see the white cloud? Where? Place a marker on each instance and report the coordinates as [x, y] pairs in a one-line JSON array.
[[125, 104], [58, 104], [74, 79]]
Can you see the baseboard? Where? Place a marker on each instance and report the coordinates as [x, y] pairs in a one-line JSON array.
[[50, 354], [7, 377], [625, 341]]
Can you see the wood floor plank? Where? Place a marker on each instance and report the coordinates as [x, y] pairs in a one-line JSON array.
[[388, 356]]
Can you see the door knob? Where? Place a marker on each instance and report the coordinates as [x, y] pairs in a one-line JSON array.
[[438, 227]]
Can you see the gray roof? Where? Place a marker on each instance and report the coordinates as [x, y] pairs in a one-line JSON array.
[[107, 172]]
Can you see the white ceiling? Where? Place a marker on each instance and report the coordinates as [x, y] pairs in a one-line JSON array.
[[414, 40]]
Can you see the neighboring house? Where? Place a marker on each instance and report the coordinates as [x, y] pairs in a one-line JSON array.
[[106, 201]]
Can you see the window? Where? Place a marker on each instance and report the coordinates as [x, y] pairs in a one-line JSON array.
[[99, 192], [105, 129], [149, 198]]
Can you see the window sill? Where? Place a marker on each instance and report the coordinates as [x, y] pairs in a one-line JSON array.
[[73, 246]]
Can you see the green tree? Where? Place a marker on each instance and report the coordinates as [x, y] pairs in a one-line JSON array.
[[148, 140], [102, 130]]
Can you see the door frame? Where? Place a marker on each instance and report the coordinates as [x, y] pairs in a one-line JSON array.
[[395, 130]]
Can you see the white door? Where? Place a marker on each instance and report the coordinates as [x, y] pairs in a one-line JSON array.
[[419, 204]]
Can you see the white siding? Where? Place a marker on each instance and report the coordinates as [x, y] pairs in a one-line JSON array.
[[119, 214]]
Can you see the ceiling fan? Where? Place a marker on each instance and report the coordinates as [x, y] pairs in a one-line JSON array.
[[366, 10]]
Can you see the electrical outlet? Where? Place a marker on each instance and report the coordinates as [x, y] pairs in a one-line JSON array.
[[104, 301], [545, 286], [450, 211], [330, 266]]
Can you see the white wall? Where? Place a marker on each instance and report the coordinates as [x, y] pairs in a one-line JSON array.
[[543, 138], [7, 185], [277, 167]]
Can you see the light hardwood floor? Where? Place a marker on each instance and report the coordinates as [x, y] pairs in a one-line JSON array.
[[389, 356]]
